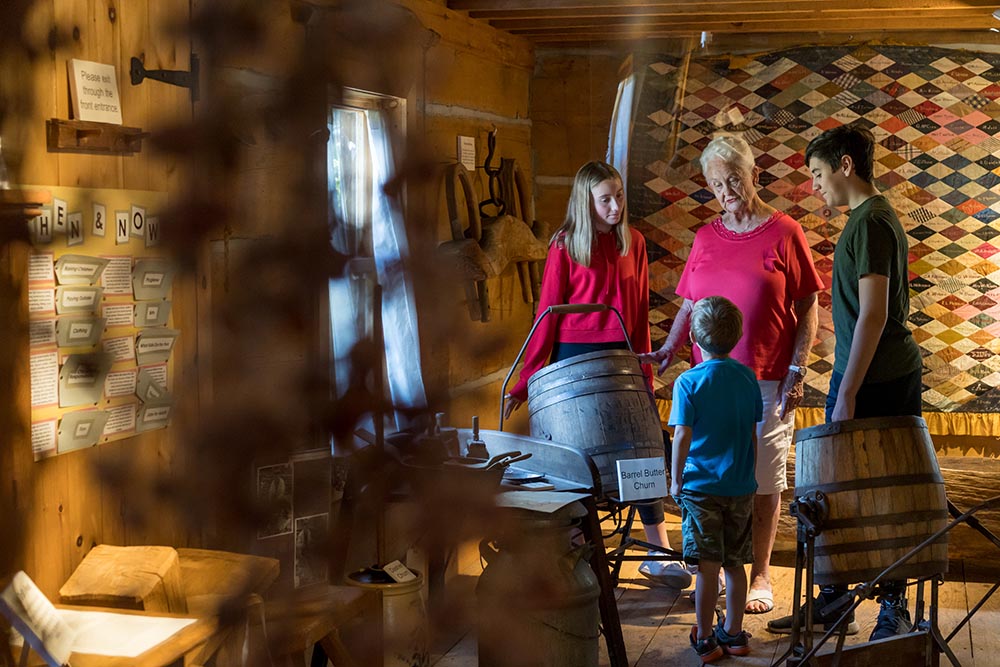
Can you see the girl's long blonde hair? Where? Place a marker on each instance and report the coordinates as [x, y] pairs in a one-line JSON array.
[[577, 232]]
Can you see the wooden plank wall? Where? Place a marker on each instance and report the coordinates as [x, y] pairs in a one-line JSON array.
[[62, 506]]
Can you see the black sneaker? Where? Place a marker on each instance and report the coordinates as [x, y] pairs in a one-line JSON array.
[[821, 624], [738, 644], [893, 619], [708, 649]]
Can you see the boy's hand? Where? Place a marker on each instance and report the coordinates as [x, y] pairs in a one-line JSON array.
[[844, 408], [675, 487]]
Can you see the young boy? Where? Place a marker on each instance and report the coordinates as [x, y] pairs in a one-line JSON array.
[[877, 367], [716, 407]]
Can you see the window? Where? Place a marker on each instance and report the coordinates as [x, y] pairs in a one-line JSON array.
[[367, 225]]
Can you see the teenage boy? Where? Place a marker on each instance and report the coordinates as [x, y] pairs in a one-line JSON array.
[[715, 410], [877, 367]]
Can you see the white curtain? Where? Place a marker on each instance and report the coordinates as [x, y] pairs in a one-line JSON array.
[[621, 127], [399, 312], [349, 293]]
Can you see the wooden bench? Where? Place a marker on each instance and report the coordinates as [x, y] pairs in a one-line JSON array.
[[319, 616]]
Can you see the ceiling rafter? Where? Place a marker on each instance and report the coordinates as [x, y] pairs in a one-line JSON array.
[[544, 21]]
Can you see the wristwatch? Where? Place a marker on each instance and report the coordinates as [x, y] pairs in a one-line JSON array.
[[798, 370]]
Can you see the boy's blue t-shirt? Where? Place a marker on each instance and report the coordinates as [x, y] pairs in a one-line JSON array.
[[719, 400]]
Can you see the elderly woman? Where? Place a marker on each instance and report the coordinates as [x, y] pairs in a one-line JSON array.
[[758, 258]]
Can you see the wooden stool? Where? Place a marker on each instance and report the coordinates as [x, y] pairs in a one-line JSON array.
[[296, 624], [209, 577], [143, 578], [215, 579]]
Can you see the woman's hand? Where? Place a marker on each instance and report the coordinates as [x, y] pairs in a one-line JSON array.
[[662, 358], [790, 392], [510, 404]]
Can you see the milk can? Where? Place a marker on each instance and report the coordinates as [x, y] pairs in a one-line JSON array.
[[538, 597]]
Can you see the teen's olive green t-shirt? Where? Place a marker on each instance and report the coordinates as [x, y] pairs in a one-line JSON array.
[[873, 242]]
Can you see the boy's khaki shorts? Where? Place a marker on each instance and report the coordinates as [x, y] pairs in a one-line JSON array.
[[716, 528]]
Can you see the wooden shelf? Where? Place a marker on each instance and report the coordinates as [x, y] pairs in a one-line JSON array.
[[80, 136], [22, 204]]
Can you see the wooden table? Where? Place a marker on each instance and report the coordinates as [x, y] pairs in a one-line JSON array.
[[166, 654]]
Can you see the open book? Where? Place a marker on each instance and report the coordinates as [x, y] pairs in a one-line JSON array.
[[37, 620]]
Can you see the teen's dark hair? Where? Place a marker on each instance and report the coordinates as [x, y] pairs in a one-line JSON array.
[[852, 140]]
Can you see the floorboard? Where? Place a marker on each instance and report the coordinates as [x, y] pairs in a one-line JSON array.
[[656, 622]]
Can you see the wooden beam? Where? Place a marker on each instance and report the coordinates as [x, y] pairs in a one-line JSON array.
[[528, 10], [472, 35], [610, 7], [800, 20], [731, 44], [803, 28]]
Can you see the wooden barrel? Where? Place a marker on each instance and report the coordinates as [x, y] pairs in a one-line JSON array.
[[885, 496], [597, 402]]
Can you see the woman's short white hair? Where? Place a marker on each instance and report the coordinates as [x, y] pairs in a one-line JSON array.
[[731, 149]]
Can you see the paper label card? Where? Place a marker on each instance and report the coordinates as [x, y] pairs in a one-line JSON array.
[[121, 227], [118, 314], [399, 572], [74, 229], [100, 220], [78, 430], [642, 479], [120, 383], [59, 213], [137, 222], [121, 419], [81, 379], [79, 331], [41, 268], [41, 301], [152, 313], [158, 373], [41, 332], [117, 276], [79, 269], [152, 417], [150, 390], [151, 279], [43, 438], [78, 299], [121, 347], [466, 150], [152, 232], [153, 346], [41, 227], [94, 91], [44, 379]]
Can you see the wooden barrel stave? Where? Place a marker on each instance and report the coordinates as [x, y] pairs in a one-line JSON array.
[[881, 471]]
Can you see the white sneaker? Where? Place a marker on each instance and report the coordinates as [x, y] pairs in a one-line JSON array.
[[667, 573]]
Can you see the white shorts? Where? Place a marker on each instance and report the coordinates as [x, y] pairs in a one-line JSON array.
[[774, 438]]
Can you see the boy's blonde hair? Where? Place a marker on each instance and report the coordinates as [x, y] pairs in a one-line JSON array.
[[716, 324], [577, 231]]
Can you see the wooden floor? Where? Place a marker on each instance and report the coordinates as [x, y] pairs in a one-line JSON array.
[[656, 620]]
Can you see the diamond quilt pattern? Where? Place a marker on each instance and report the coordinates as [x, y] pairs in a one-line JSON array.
[[935, 114]]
